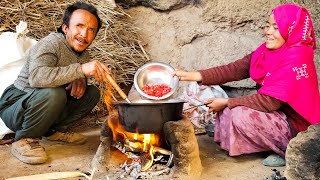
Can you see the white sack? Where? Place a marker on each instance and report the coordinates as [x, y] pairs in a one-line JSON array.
[[13, 46]]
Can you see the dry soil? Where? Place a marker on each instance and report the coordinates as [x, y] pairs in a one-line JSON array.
[[62, 157]]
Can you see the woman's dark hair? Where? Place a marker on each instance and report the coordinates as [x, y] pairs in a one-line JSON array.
[[79, 5]]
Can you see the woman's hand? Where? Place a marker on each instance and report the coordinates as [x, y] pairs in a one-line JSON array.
[[95, 69], [188, 76], [77, 87], [217, 104]]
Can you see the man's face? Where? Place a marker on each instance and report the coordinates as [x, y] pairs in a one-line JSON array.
[[274, 40], [82, 29]]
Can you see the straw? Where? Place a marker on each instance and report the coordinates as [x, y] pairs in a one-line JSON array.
[[117, 43]]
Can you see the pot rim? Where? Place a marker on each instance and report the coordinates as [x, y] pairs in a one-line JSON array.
[[150, 102]]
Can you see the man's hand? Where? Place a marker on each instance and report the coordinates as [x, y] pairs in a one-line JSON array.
[[187, 76], [95, 69], [78, 87], [217, 104]]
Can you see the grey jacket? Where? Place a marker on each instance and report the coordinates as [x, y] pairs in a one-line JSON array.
[[51, 63]]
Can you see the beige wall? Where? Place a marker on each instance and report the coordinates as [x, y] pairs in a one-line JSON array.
[[212, 33]]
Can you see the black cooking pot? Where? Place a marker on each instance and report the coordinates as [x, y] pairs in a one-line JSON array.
[[148, 116]]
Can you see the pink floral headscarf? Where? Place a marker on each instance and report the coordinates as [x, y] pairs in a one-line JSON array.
[[289, 73]]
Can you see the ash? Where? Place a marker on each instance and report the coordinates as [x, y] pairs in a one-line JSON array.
[[143, 165]]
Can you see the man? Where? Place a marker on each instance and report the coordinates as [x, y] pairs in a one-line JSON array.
[[51, 91]]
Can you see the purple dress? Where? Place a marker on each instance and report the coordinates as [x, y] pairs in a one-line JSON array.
[[242, 130]]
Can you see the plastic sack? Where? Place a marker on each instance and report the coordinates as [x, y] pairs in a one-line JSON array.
[[13, 46], [195, 95]]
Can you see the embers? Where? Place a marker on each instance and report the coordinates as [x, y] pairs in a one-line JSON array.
[[143, 162], [145, 156], [138, 149]]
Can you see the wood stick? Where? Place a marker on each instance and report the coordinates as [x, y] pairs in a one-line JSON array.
[[118, 89]]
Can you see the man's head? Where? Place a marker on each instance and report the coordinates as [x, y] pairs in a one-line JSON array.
[[80, 25]]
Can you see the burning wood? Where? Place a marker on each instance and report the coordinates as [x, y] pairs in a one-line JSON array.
[[142, 149], [147, 160], [138, 146], [143, 159], [130, 148], [135, 145], [134, 170], [120, 134]]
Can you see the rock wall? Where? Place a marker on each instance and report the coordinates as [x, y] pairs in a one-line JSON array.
[[302, 155], [196, 34]]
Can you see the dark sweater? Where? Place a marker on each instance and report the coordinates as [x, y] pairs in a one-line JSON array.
[[239, 70]]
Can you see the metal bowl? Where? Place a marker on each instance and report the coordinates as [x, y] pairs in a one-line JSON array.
[[154, 73]]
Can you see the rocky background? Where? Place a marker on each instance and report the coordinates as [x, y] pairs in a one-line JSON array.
[[196, 34]]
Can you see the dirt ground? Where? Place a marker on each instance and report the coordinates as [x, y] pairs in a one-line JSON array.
[[62, 157]]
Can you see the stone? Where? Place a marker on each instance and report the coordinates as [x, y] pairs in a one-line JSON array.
[[303, 154], [101, 159], [162, 5], [184, 146]]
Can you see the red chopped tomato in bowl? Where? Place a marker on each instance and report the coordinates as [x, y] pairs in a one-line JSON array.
[[157, 90]]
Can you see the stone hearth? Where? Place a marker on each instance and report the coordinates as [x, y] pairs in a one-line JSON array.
[[179, 140]]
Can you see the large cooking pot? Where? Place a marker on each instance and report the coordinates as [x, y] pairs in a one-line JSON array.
[[148, 116]]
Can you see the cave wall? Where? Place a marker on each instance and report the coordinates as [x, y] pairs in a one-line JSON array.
[[197, 34]]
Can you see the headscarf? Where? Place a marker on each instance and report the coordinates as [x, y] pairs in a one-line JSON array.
[[289, 73]]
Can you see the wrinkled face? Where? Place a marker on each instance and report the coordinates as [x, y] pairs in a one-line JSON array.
[[82, 29], [272, 34]]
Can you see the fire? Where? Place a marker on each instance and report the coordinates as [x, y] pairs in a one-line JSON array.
[[119, 133], [137, 141], [144, 143]]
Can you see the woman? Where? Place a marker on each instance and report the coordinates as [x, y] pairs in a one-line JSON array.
[[288, 99]]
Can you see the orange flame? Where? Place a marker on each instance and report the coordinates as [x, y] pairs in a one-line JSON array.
[[119, 133]]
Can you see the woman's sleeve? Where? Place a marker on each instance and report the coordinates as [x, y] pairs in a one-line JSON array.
[[258, 102], [234, 71]]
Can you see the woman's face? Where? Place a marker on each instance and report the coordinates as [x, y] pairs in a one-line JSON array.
[[271, 32]]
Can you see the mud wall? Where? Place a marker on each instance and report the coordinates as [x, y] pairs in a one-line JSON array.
[[196, 34]]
